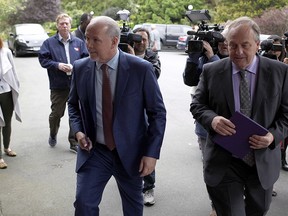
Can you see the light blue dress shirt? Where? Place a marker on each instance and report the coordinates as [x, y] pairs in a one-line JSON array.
[[112, 70]]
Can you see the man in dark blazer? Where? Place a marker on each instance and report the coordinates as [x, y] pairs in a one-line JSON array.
[[84, 21], [235, 187], [135, 93]]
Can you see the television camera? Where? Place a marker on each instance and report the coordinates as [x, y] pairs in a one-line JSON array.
[[211, 34], [127, 37], [266, 46]]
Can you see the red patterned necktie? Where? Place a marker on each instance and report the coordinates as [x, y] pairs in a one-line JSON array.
[[245, 108], [107, 108]]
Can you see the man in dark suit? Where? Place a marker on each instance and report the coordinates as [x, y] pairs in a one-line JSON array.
[[235, 187], [84, 21], [131, 151]]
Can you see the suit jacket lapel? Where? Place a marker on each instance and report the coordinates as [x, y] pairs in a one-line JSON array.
[[263, 76], [226, 77], [122, 80], [91, 86]]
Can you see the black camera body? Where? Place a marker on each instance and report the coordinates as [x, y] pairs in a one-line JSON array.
[[212, 37], [211, 34], [128, 38], [267, 45]]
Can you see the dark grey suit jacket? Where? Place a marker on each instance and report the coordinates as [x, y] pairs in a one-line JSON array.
[[214, 96]]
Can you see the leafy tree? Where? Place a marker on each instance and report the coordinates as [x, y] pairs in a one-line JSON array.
[[164, 11], [74, 12], [99, 7], [7, 7], [35, 11], [273, 21], [228, 10]]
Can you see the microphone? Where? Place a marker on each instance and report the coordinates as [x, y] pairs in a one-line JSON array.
[[191, 32]]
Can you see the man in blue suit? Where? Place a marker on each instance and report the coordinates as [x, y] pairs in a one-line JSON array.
[[136, 144]]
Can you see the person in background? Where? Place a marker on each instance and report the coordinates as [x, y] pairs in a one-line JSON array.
[[284, 144], [142, 50], [155, 39], [9, 92], [278, 55], [57, 54], [194, 64], [84, 21], [236, 186], [118, 116]]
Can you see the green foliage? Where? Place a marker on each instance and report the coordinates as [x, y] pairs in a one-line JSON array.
[[160, 11], [228, 10], [7, 7], [73, 11], [99, 7], [153, 11]]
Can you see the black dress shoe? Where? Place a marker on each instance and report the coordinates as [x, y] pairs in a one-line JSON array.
[[274, 193]]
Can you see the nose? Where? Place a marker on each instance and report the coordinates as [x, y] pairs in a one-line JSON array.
[[89, 44], [239, 50]]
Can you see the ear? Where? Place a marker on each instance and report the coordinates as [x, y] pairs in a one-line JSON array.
[[115, 41]]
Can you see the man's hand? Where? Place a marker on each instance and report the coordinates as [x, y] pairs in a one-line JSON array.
[[67, 68], [131, 50], [147, 165], [259, 142], [223, 126], [84, 142], [209, 51]]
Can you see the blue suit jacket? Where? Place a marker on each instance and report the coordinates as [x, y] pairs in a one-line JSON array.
[[136, 93]]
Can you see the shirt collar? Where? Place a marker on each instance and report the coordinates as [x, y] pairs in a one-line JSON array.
[[252, 68], [61, 38], [112, 63]]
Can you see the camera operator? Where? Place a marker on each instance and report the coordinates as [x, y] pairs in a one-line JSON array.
[[273, 48], [141, 50], [194, 65], [277, 40], [276, 51]]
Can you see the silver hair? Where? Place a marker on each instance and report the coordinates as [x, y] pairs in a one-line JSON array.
[[245, 21]]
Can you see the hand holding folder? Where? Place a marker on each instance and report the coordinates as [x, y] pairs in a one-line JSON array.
[[238, 143]]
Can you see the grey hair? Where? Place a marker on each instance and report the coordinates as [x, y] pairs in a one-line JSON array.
[[245, 21]]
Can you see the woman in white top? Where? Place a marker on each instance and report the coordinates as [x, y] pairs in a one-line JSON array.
[[9, 92]]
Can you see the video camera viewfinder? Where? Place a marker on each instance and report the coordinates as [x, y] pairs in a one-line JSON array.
[[198, 15], [127, 37], [211, 34]]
